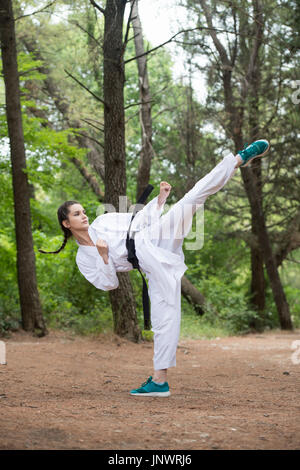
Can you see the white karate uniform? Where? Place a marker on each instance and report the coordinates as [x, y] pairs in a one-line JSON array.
[[158, 243]]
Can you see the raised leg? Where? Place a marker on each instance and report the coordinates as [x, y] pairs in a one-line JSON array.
[[175, 225]]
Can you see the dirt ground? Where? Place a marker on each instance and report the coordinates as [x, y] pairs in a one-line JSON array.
[[71, 392]]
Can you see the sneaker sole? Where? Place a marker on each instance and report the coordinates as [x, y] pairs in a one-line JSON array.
[[257, 156], [151, 394]]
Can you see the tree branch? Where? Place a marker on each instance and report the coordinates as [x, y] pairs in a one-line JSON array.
[[219, 46], [92, 125], [52, 90], [91, 180], [35, 12], [75, 23], [76, 132], [290, 240], [257, 41], [83, 86], [97, 6], [128, 26], [162, 44], [137, 104], [199, 28], [293, 260]]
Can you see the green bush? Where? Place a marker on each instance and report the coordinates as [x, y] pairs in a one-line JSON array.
[[229, 301]]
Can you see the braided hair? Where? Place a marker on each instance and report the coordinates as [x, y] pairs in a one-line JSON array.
[[62, 214]]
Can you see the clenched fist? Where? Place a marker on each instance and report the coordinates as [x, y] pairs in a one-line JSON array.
[[165, 189], [102, 248]]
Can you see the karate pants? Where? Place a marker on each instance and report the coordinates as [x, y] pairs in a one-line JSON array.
[[165, 318]]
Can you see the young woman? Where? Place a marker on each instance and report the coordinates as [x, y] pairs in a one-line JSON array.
[[158, 241]]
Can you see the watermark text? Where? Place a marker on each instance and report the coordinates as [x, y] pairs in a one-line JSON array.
[[2, 353], [295, 358]]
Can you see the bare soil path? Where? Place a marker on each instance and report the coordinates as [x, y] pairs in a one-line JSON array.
[[71, 392]]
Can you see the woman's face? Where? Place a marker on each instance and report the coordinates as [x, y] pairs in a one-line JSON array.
[[77, 218]]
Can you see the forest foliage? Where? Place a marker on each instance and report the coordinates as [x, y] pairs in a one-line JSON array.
[[65, 41]]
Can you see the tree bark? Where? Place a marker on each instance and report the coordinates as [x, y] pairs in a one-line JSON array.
[[254, 77], [145, 108], [122, 299], [31, 310], [276, 285], [257, 276], [124, 310], [290, 240]]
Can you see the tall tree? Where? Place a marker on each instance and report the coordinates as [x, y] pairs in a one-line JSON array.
[[237, 65], [251, 179], [113, 169], [32, 318], [145, 106], [122, 299]]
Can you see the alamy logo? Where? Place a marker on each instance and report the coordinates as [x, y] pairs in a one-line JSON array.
[[180, 221], [296, 94], [2, 353], [296, 355]]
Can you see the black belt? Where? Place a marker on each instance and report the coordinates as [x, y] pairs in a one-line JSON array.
[[133, 259]]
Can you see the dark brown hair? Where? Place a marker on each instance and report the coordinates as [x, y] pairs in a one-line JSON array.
[[62, 214]]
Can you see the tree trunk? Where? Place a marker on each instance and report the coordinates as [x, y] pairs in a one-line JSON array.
[[252, 180], [124, 310], [122, 299], [257, 277], [254, 74], [290, 240], [257, 258], [145, 108], [251, 184], [31, 310], [276, 285]]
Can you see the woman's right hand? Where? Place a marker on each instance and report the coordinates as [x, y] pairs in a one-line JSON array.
[[164, 192], [102, 248]]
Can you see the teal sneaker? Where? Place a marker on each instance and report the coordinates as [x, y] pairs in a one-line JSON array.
[[152, 389], [257, 149]]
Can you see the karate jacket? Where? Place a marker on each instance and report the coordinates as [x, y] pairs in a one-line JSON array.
[[161, 266]]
